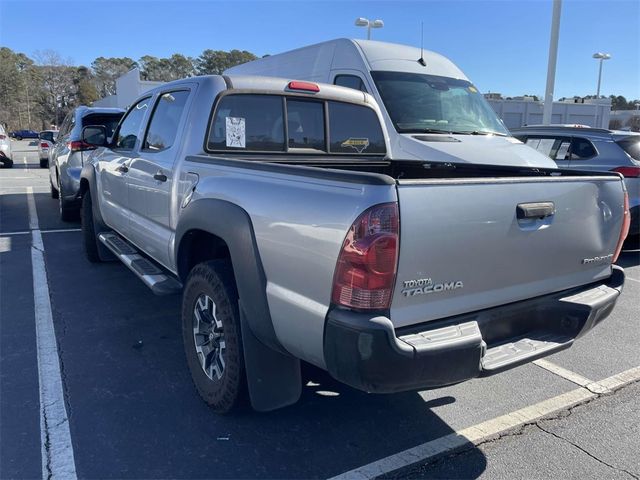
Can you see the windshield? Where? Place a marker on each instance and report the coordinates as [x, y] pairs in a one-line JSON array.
[[420, 103]]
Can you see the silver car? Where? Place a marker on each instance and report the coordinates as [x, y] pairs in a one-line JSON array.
[[69, 154], [46, 140], [5, 148], [596, 149]]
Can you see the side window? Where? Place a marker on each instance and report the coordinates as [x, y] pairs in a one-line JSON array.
[[248, 123], [165, 119], [305, 122], [130, 127], [581, 149], [543, 145], [350, 81], [64, 128], [354, 129]]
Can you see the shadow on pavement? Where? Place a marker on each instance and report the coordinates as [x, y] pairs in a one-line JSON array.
[[134, 412]]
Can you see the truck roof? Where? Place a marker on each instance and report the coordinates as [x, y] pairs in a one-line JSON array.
[[273, 85]]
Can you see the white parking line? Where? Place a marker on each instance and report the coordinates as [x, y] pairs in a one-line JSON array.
[[56, 447], [484, 431], [28, 232], [632, 279], [574, 377]]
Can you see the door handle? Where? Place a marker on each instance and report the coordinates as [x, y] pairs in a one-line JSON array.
[[122, 168], [161, 177], [535, 210]]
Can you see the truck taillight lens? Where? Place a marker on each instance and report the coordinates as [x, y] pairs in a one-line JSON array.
[[79, 146], [626, 223], [366, 268], [628, 172]]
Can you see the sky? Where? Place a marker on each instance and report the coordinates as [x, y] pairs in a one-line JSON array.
[[502, 46]]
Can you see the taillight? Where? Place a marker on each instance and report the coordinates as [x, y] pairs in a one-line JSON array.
[[79, 146], [366, 268], [44, 145], [628, 172], [304, 86], [624, 231], [2, 137]]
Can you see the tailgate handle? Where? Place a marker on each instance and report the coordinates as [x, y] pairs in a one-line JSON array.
[[535, 210]]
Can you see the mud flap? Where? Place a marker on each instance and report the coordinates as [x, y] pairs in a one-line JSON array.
[[273, 378]]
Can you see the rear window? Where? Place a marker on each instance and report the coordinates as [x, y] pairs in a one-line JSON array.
[[256, 123], [109, 120], [46, 136], [631, 146]]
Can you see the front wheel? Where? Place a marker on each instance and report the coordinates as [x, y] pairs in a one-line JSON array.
[[211, 335]]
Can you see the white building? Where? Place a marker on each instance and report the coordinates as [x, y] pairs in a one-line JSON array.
[[518, 113], [128, 88]]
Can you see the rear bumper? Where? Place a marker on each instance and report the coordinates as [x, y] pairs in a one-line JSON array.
[[364, 350]]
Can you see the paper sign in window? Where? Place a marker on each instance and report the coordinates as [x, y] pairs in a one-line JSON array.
[[235, 128]]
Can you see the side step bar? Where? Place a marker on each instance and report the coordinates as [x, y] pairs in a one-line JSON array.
[[153, 276]]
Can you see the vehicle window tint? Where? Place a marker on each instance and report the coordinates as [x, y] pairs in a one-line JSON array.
[[166, 116], [354, 129], [350, 81], [248, 123], [562, 149], [631, 146], [581, 149], [130, 126], [305, 124], [108, 120], [64, 128], [46, 136], [543, 145]]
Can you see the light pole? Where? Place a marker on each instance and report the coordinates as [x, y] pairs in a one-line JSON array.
[[601, 57], [365, 22], [551, 64]]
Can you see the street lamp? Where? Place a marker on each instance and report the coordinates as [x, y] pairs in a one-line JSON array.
[[600, 56], [365, 22]]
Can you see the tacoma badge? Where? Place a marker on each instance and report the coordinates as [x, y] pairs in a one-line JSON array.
[[424, 286]]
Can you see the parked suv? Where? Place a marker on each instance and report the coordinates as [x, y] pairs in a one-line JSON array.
[[596, 149], [69, 154], [5, 148], [47, 140]]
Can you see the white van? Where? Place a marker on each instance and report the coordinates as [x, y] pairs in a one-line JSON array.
[[431, 109]]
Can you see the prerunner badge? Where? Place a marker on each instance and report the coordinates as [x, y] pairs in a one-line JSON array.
[[358, 144]]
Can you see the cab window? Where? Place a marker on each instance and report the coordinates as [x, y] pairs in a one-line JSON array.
[[129, 129], [350, 81], [163, 126], [305, 124], [354, 129]]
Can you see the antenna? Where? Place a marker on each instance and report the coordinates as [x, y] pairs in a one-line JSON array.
[[421, 59]]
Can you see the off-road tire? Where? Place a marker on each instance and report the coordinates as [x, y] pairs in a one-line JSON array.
[[215, 280], [89, 237]]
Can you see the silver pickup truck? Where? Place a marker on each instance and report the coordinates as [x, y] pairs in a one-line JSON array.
[[273, 207]]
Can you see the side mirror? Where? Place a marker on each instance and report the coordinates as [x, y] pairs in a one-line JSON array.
[[95, 135]]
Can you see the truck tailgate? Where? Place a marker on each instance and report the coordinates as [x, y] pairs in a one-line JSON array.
[[469, 244]]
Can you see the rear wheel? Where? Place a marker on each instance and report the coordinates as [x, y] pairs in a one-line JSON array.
[[68, 212], [89, 237], [44, 163], [211, 335], [54, 190]]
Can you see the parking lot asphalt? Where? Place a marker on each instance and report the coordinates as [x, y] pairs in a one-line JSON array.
[[134, 413]]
